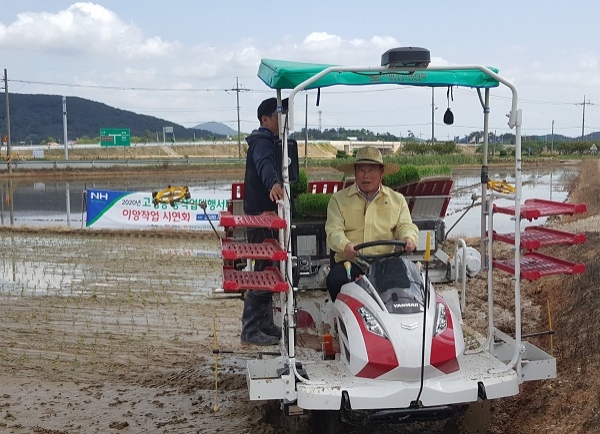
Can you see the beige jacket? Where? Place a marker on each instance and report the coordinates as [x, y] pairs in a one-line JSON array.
[[350, 218]]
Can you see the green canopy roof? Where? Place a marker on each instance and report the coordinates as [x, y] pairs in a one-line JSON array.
[[281, 74]]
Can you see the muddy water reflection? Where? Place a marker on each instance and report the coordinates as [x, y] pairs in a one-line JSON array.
[[57, 203]]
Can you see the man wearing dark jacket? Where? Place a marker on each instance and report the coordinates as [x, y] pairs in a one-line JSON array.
[[262, 189]]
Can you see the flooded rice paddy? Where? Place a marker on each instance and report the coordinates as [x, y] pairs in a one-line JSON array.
[[53, 203], [94, 266]]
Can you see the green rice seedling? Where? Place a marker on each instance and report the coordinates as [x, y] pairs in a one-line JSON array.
[[55, 362], [21, 359], [312, 205], [93, 360]]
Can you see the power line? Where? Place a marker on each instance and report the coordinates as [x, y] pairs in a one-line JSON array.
[[521, 100], [151, 89], [177, 110], [239, 89], [112, 72], [337, 91]]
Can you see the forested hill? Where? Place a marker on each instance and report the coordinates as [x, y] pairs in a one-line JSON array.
[[39, 118], [34, 118]]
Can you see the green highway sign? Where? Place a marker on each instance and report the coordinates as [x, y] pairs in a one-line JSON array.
[[115, 137]]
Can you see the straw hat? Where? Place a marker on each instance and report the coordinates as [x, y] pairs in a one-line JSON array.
[[369, 155]]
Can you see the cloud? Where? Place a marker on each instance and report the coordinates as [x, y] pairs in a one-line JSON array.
[[588, 62], [242, 58], [81, 29], [323, 47], [322, 39]]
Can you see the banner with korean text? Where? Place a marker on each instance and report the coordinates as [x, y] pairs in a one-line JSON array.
[[126, 209]]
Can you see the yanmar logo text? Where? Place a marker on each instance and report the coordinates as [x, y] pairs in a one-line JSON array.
[[402, 305]]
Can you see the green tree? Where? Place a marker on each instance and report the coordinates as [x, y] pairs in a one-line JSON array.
[[445, 148], [415, 148]]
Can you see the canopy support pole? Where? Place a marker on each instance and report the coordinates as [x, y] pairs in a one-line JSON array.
[[484, 175]]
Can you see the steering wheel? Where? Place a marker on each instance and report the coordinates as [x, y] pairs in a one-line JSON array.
[[370, 258]]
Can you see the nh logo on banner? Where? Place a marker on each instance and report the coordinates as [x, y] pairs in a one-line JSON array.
[[98, 195]]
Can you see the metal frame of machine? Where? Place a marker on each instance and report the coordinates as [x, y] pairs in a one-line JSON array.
[[302, 379]]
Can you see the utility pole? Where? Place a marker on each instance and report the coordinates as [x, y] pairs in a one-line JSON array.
[[583, 120], [320, 112], [306, 133], [432, 115], [238, 90], [64, 101], [8, 146], [552, 138], [583, 117]]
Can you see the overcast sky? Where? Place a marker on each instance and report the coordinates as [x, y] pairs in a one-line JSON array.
[[179, 60]]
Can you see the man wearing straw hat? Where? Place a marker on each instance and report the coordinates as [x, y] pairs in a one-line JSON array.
[[365, 211]]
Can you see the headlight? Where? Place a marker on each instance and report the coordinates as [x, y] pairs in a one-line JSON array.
[[371, 322], [441, 319]]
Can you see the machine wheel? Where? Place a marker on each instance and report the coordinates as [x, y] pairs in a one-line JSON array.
[[327, 422]]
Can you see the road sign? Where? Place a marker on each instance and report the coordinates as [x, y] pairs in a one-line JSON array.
[[115, 137]]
